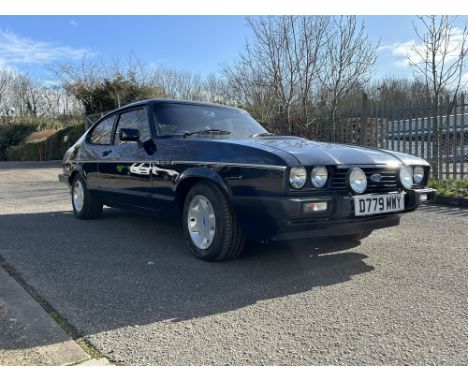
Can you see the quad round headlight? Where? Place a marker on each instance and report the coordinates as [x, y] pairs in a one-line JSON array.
[[406, 177], [319, 176], [297, 177], [357, 180], [418, 174]]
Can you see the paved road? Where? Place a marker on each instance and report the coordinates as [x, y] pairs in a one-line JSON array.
[[129, 285]]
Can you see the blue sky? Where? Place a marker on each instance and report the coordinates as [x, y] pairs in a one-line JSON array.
[[195, 43]]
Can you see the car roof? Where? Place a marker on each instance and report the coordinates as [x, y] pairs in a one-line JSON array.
[[170, 101]]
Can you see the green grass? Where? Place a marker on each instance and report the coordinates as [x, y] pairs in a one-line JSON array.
[[450, 187]]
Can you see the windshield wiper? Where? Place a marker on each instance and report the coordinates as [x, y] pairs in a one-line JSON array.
[[261, 135], [208, 131]]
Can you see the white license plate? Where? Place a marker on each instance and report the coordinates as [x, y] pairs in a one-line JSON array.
[[378, 204]]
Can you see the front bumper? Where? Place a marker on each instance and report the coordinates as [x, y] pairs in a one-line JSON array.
[[282, 218], [64, 178], [425, 195]]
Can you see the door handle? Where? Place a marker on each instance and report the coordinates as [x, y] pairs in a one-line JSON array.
[[106, 153]]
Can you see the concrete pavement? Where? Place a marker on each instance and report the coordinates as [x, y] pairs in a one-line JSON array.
[[28, 335]]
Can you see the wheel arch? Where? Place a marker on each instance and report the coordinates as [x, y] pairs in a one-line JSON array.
[[77, 169], [193, 175]]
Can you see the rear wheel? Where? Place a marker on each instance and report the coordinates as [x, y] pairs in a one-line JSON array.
[[356, 236], [85, 204], [211, 228]]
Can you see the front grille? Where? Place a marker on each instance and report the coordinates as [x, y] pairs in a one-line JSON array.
[[387, 183]]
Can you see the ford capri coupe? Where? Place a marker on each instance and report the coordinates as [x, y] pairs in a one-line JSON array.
[[231, 180]]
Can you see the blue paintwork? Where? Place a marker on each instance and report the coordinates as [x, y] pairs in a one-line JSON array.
[[253, 172]]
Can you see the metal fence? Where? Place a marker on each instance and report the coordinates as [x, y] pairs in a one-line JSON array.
[[443, 143]]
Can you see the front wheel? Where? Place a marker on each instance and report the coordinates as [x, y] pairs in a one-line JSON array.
[[211, 228], [85, 204]]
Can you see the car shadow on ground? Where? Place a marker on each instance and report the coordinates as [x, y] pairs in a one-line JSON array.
[[14, 165], [444, 210], [126, 269]]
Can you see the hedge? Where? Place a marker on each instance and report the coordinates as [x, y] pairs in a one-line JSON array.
[[52, 148], [12, 135]]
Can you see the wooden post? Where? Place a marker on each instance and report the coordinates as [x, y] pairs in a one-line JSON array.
[[363, 121]]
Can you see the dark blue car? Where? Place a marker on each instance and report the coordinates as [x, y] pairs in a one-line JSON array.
[[230, 180]]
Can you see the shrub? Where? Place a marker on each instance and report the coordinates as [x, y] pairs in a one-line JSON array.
[[450, 187], [51, 148]]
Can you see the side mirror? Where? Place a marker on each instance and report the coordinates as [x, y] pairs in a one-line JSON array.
[[129, 135], [149, 146]]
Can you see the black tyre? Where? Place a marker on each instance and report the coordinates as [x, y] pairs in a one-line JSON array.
[[85, 204], [211, 228], [357, 236]]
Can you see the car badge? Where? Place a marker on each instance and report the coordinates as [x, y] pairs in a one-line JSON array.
[[376, 178]]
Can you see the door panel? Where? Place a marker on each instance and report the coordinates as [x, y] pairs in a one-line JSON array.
[[98, 144], [125, 171], [164, 171]]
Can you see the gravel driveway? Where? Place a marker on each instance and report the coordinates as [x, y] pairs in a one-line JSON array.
[[128, 284]]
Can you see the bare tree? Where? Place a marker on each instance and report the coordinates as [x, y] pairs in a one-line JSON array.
[[400, 96], [276, 73], [350, 58], [6, 79], [439, 58], [179, 84], [24, 96], [218, 90], [80, 80]]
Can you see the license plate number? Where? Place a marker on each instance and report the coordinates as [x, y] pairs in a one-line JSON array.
[[378, 204]]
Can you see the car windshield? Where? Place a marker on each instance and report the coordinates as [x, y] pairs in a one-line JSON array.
[[183, 119]]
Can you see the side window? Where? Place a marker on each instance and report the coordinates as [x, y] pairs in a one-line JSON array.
[[102, 133], [135, 119]]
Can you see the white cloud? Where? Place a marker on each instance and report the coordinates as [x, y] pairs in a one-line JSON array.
[[73, 23], [406, 52], [6, 67], [16, 50]]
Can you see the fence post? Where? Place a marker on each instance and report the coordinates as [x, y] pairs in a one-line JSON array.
[[439, 142], [431, 135], [410, 134], [383, 125], [375, 124], [417, 137], [462, 137], [399, 131], [446, 136], [349, 131], [422, 127], [393, 131], [455, 140], [363, 121]]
